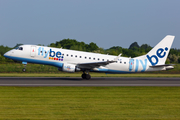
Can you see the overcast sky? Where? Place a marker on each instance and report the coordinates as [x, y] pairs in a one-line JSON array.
[[105, 22]]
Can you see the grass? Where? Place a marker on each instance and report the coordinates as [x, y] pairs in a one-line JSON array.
[[37, 68], [79, 75], [31, 68], [90, 103]]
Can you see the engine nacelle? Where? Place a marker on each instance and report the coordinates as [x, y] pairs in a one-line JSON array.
[[69, 68]]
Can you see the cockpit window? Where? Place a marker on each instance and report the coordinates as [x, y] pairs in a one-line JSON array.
[[19, 48], [16, 48]]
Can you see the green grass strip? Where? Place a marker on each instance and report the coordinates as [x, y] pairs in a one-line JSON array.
[[90, 103], [79, 75]]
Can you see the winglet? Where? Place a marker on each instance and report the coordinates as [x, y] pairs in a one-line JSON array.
[[117, 57]]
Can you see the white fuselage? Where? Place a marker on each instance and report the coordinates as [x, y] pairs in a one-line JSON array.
[[58, 57]]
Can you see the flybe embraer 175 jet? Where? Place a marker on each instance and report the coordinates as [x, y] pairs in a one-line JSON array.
[[72, 61]]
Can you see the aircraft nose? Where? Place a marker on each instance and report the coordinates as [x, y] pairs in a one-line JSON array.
[[7, 54]]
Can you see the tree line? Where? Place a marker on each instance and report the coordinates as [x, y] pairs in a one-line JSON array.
[[134, 50]]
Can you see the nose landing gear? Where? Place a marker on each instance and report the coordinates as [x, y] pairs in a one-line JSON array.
[[24, 69], [86, 76]]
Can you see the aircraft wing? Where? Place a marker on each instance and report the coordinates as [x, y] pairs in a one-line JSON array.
[[93, 64]]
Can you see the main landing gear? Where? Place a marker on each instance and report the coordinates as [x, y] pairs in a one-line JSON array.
[[86, 76]]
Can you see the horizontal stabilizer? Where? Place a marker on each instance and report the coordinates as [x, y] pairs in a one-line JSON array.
[[165, 65]]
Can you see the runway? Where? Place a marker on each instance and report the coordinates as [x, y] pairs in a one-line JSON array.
[[69, 81]]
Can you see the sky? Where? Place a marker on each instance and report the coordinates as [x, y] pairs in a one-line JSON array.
[[107, 23]]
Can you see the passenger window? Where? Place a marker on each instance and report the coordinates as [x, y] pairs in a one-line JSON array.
[[89, 57], [98, 59], [102, 59], [93, 58], [71, 55], [67, 55], [79, 56], [75, 55], [85, 57], [124, 62]]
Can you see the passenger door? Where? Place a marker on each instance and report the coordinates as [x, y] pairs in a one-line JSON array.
[[131, 64], [33, 51]]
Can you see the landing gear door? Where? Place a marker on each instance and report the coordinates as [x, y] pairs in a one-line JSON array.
[[131, 64], [33, 51]]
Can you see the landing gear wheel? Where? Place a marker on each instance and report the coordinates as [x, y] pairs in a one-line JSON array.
[[24, 70], [88, 76], [83, 76]]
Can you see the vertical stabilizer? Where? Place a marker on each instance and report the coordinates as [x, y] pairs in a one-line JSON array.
[[158, 55]]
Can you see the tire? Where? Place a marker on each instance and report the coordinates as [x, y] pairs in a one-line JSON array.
[[83, 76], [24, 70], [88, 76]]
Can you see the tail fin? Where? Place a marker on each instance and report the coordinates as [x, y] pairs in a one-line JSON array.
[[158, 55]]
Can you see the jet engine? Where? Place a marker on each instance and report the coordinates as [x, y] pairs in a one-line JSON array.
[[69, 68]]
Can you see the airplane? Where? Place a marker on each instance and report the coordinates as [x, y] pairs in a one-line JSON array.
[[73, 61]]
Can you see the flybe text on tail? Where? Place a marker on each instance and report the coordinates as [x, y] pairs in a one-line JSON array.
[[160, 53]]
